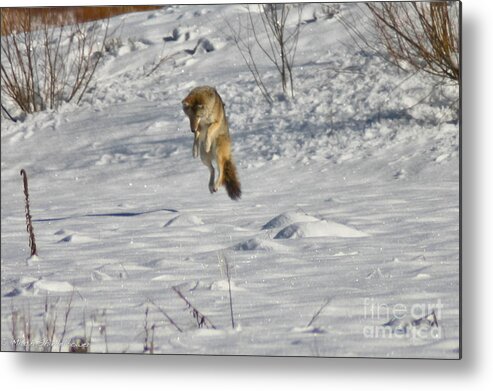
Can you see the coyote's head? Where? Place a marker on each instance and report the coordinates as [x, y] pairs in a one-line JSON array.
[[194, 110], [198, 104]]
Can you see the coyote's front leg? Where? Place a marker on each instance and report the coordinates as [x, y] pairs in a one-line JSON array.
[[211, 134], [195, 148], [207, 160]]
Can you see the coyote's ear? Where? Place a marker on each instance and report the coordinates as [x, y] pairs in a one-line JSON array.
[[187, 102]]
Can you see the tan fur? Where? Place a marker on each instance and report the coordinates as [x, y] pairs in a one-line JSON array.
[[205, 110]]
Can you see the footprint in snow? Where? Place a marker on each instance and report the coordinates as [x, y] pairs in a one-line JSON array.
[[400, 174], [178, 35], [203, 46]]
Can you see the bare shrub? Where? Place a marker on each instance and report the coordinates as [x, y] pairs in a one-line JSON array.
[[417, 36], [425, 36], [279, 48], [246, 48], [44, 66]]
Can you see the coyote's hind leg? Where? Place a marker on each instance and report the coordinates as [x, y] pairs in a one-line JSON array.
[[212, 187]]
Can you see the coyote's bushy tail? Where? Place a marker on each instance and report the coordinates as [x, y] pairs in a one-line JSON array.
[[231, 181]]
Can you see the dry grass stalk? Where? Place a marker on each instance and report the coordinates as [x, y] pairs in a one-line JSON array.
[[14, 318], [146, 331], [223, 261], [151, 349], [200, 318], [21, 322], [67, 313], [315, 316], [49, 326], [29, 224], [165, 315]]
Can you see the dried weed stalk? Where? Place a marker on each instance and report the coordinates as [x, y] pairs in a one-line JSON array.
[[29, 224], [200, 318]]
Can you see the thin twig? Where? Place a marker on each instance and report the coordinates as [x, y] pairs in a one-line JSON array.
[[14, 315], [146, 330], [201, 319], [151, 350], [228, 276], [161, 61], [165, 314], [315, 316], [69, 307], [8, 114]]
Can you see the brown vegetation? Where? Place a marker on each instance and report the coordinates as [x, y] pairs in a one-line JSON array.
[[425, 36], [29, 224], [50, 59], [57, 16]]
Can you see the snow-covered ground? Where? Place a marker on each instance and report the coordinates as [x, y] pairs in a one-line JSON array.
[[350, 202]]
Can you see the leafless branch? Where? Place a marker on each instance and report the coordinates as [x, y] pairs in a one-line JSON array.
[[421, 35], [44, 65]]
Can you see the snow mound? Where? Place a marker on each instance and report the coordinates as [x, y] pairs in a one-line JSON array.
[[257, 244], [97, 275], [53, 286], [31, 286], [309, 330], [319, 229], [288, 218], [33, 259], [377, 274], [222, 285], [184, 220], [163, 277]]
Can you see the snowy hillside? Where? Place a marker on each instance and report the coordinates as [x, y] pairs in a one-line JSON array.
[[350, 202]]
